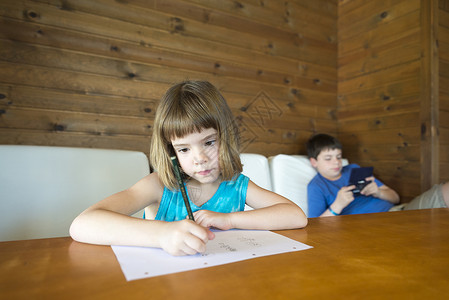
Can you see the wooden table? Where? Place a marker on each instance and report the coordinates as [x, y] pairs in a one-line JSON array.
[[395, 255]]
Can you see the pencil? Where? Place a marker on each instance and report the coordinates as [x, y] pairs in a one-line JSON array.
[[182, 187]]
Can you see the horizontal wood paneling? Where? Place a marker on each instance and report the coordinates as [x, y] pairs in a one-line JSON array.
[[379, 34], [42, 98], [363, 16], [379, 58], [75, 139], [91, 73], [379, 89], [393, 96]]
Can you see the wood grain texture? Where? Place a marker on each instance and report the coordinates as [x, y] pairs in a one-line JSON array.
[[392, 89], [91, 73], [353, 257], [443, 96]]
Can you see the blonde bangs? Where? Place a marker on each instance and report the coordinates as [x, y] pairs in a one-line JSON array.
[[187, 108], [183, 120]]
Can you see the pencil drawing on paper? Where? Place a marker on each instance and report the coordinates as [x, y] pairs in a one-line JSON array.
[[227, 247]]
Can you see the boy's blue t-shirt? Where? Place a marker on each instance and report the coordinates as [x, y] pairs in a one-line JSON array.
[[229, 197], [322, 192]]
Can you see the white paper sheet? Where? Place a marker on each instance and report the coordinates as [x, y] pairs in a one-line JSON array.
[[227, 247]]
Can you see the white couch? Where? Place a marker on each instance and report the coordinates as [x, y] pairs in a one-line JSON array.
[[43, 188]]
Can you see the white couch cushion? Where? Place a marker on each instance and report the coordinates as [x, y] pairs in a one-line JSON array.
[[255, 166], [42, 189], [290, 175]]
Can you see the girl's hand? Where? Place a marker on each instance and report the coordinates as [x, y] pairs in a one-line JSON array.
[[184, 238], [371, 188], [207, 218]]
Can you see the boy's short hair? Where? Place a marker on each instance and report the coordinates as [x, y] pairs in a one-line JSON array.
[[320, 142]]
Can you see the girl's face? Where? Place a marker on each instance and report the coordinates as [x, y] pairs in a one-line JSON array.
[[198, 155], [328, 163]]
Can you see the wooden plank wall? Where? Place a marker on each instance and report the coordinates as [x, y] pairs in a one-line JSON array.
[[379, 94], [90, 73], [443, 42], [388, 91]]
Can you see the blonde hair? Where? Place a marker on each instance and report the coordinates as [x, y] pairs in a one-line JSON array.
[[189, 107]]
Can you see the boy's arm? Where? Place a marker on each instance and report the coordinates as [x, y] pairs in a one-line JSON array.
[[388, 194], [318, 205], [382, 192], [343, 199]]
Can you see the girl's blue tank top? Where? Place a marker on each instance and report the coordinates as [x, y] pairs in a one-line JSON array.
[[229, 197]]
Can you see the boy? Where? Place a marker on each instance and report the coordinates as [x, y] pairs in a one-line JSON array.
[[329, 192]]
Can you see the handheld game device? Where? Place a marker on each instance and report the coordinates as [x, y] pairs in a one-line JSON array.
[[357, 178]]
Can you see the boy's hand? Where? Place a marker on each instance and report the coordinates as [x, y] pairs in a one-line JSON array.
[[184, 238], [207, 218], [344, 197], [371, 188]]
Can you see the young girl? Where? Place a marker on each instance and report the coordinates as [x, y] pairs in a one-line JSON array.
[[193, 122]]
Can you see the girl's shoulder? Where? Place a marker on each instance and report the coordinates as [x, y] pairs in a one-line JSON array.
[[153, 178], [241, 177], [238, 179], [240, 182], [149, 185]]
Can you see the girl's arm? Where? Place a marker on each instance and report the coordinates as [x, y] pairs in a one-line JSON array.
[[108, 222], [271, 212]]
